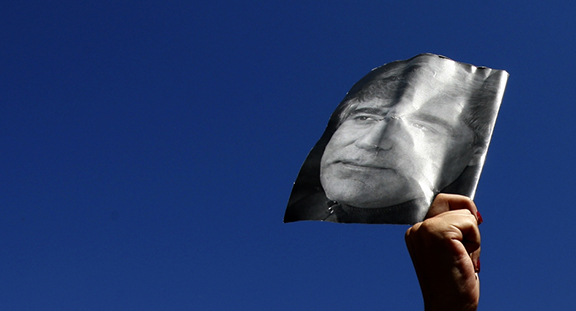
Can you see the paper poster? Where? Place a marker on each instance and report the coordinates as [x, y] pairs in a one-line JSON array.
[[405, 132]]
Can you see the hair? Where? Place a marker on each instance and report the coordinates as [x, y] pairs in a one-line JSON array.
[[480, 112], [479, 91]]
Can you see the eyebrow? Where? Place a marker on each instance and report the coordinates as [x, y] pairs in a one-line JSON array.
[[368, 110]]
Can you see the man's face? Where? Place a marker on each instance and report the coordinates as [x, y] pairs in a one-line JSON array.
[[390, 151]]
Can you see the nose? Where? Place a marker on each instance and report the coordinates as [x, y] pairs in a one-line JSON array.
[[380, 136]]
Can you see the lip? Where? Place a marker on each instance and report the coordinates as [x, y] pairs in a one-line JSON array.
[[361, 166]]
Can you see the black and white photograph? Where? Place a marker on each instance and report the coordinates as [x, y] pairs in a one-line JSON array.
[[405, 132]]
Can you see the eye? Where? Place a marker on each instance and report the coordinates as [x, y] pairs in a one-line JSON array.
[[366, 118], [422, 127]]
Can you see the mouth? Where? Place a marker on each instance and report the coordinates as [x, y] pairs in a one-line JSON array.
[[361, 166]]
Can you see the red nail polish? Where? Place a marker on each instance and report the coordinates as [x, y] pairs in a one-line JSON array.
[[480, 220], [478, 265]]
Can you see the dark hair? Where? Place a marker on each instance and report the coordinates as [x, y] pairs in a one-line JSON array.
[[479, 90]]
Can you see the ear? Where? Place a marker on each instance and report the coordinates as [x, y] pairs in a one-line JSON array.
[[477, 156]]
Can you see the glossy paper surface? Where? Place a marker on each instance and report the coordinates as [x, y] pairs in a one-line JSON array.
[[405, 132]]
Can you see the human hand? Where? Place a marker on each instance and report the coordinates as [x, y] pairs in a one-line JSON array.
[[445, 251]]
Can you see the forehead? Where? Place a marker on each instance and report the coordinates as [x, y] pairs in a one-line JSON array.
[[434, 88]]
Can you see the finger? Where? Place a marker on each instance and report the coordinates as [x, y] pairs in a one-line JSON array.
[[458, 225], [475, 256], [448, 202]]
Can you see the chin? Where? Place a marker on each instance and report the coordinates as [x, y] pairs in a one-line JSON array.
[[362, 201], [371, 204]]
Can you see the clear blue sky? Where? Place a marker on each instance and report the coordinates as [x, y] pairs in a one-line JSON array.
[[148, 149]]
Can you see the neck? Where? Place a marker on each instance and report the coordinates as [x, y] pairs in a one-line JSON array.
[[408, 212]]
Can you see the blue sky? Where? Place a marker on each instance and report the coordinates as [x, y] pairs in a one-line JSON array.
[[149, 149]]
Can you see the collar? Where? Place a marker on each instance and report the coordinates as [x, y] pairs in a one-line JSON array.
[[409, 212]]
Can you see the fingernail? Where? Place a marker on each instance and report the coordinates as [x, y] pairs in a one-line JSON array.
[[478, 265], [480, 220]]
